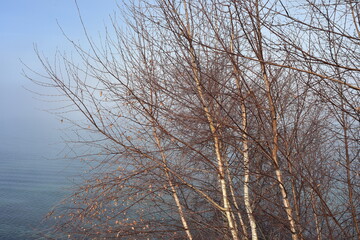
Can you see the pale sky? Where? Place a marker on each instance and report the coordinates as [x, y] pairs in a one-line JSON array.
[[24, 23]]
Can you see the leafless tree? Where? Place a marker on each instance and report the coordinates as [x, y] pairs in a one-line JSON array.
[[216, 120]]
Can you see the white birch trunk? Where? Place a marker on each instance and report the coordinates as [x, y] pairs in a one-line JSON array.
[[247, 202], [172, 187], [221, 170]]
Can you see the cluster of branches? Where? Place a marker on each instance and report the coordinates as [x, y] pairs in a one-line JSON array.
[[218, 120]]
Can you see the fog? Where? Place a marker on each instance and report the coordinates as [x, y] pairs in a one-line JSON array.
[[34, 172]]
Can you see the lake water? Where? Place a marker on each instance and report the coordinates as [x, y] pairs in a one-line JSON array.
[[29, 186]]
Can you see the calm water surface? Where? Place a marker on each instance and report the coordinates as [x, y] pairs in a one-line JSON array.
[[29, 186]]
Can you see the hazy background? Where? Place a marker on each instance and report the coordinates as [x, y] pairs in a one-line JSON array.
[[33, 175], [24, 23]]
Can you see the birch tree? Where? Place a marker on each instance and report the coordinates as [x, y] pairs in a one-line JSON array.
[[215, 120]]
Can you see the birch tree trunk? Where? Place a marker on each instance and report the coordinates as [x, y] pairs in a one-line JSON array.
[[217, 143], [274, 127], [245, 143], [172, 186]]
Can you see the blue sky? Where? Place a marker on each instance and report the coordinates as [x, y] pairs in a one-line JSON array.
[[24, 23]]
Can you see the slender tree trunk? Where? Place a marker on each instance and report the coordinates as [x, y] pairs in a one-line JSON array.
[[172, 187], [348, 175], [247, 202], [213, 129], [274, 127], [166, 169], [316, 217], [232, 192], [295, 199], [275, 159], [220, 160], [245, 150]]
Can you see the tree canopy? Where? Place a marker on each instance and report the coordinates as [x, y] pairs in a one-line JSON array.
[[216, 120]]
